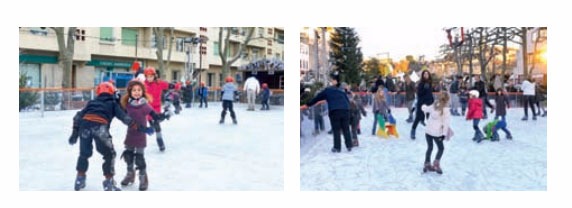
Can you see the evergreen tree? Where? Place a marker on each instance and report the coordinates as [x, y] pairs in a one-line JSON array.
[[346, 55]]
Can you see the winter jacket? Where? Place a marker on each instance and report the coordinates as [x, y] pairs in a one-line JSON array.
[[155, 89], [437, 124], [424, 94], [203, 91], [463, 96], [101, 110], [540, 93], [252, 84], [380, 107], [410, 91], [336, 98], [138, 110], [265, 94], [528, 88], [475, 109], [501, 102], [356, 109], [454, 88], [187, 93], [228, 91], [480, 86], [389, 84]]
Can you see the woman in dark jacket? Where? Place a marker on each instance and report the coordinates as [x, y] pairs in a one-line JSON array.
[[339, 111], [424, 97]]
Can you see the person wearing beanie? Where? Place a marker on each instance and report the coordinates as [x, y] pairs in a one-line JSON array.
[[475, 113], [338, 111]]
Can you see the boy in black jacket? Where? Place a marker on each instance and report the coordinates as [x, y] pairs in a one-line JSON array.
[[91, 124]]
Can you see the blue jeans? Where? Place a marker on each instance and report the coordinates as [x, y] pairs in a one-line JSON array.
[[476, 127]]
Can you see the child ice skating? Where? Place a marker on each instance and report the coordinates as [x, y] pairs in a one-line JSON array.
[[228, 93], [475, 113], [91, 125], [203, 92], [265, 96], [155, 88], [380, 110], [135, 102], [437, 129], [502, 103]]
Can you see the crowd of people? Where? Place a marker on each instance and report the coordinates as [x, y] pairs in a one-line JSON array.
[[429, 102]]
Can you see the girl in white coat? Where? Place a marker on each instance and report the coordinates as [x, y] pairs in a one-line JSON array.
[[437, 128]]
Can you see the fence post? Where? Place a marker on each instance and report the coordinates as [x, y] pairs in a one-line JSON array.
[[42, 103]]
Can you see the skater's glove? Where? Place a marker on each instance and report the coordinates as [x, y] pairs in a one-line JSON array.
[[73, 138], [149, 131]]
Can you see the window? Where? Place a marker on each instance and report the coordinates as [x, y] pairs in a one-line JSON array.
[[203, 29], [210, 77], [255, 53], [180, 45], [269, 51], [39, 31], [203, 50], [269, 42], [176, 74], [80, 34], [234, 31], [260, 32], [277, 56], [32, 74], [106, 34], [269, 31], [215, 48], [128, 36], [155, 41], [280, 38]]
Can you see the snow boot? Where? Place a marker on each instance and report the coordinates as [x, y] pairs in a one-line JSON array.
[[129, 178], [427, 167], [437, 167], [109, 185], [79, 182], [334, 150], [143, 182]]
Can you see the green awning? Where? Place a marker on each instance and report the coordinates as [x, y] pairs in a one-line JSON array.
[[29, 58]]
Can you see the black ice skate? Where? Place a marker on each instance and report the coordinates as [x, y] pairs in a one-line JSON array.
[[79, 182], [109, 185]]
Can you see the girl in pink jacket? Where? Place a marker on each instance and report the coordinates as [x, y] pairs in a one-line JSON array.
[[155, 88]]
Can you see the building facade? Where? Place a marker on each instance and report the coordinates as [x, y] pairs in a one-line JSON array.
[[104, 53]]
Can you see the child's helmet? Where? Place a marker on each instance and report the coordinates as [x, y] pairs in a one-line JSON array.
[[149, 71], [474, 93], [105, 87], [229, 79]]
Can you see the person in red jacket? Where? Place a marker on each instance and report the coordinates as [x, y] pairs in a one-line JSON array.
[[155, 88], [475, 113]]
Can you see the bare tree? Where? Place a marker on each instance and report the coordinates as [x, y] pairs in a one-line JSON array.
[[224, 47], [66, 51]]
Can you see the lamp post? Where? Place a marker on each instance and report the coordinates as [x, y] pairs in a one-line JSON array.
[[192, 41]]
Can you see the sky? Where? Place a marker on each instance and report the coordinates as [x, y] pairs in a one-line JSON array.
[[401, 41]]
